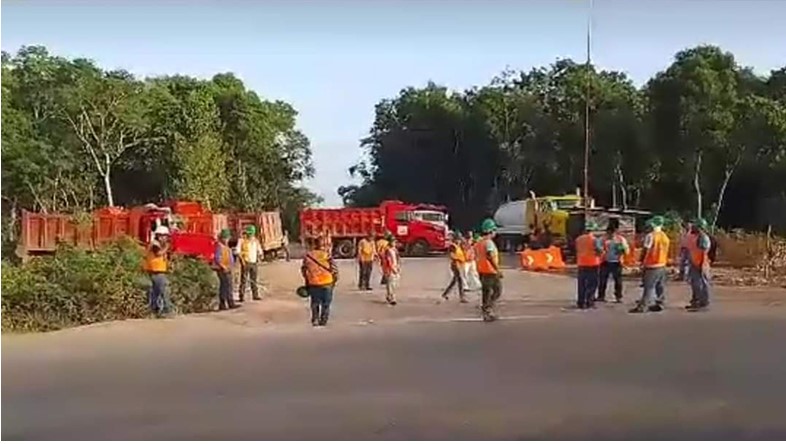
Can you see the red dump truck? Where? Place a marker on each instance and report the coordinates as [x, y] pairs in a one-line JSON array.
[[419, 228], [193, 228]]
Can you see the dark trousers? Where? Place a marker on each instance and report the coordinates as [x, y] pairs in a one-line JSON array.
[[587, 286], [248, 275], [321, 298], [456, 280], [613, 269], [157, 296], [490, 290], [700, 286], [364, 275], [225, 290]]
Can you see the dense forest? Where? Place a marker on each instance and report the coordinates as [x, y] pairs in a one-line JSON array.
[[705, 137], [76, 137]]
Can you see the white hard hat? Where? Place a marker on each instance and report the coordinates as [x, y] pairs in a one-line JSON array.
[[162, 230]]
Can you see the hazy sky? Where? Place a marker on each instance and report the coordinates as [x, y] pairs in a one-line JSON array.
[[335, 59]]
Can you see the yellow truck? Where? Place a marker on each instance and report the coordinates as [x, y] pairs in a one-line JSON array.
[[541, 219]]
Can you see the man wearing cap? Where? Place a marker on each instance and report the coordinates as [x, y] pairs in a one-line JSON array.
[[320, 274], [487, 257], [248, 251], [156, 265], [457, 260], [654, 255], [589, 250], [699, 272], [222, 263]]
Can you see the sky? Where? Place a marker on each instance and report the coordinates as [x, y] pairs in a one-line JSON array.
[[333, 60]]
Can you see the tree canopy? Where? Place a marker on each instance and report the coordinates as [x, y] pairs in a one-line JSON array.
[[705, 137]]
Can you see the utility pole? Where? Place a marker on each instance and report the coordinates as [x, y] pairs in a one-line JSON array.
[[587, 111]]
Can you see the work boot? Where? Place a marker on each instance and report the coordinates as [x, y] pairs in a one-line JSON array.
[[636, 309], [256, 298], [656, 308]]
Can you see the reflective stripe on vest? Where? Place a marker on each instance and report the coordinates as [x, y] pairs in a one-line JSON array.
[[586, 254], [483, 263], [318, 268], [658, 254]]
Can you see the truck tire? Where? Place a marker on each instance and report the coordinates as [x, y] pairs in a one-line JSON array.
[[419, 248], [344, 249]]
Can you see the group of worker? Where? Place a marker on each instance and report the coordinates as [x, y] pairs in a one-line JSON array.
[[383, 250], [600, 257], [247, 253]]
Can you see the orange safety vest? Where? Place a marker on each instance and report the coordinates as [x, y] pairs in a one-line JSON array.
[[658, 254], [386, 260], [317, 263], [153, 262], [484, 265], [365, 250], [457, 253], [586, 255], [225, 259], [698, 257]]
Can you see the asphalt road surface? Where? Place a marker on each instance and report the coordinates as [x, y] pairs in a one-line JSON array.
[[421, 370]]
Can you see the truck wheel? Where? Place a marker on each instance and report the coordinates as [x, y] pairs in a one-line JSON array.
[[419, 248], [345, 249]]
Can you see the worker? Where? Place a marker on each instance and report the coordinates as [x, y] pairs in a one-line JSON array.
[[367, 252], [687, 237], [487, 257], [471, 279], [457, 260], [156, 265], [223, 260], [699, 273], [589, 251], [654, 255], [615, 247], [382, 243], [285, 245], [248, 251], [320, 274], [391, 269]]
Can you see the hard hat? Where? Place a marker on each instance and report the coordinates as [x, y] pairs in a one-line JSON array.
[[488, 226], [657, 221], [225, 234], [251, 230], [302, 291], [591, 225], [161, 230], [701, 223]]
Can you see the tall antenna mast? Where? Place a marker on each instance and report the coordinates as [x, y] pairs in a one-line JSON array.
[[587, 110]]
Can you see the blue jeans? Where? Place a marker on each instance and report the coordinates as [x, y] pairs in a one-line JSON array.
[[654, 287], [225, 298], [587, 286], [157, 295], [321, 298], [684, 266], [700, 287]]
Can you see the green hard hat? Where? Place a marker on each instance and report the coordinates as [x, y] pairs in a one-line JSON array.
[[488, 226], [225, 234], [658, 221], [701, 223], [252, 230], [302, 291], [476, 237], [591, 225]]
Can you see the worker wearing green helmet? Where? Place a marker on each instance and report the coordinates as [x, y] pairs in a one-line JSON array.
[[488, 264], [699, 270], [654, 256], [249, 251], [589, 250], [223, 260]]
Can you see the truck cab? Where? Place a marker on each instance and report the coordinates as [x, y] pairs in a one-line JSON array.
[[419, 228]]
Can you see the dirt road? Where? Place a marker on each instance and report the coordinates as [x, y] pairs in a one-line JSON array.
[[422, 369]]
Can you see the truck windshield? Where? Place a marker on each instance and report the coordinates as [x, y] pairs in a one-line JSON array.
[[564, 204], [431, 216]]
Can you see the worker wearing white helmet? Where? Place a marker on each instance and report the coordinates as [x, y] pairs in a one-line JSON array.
[[157, 266]]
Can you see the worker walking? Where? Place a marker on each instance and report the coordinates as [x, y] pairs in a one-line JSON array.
[[615, 247], [321, 274], [654, 255], [487, 257], [457, 261], [366, 255], [589, 251], [382, 243], [157, 266], [699, 273], [471, 278], [248, 251], [222, 263], [391, 269]]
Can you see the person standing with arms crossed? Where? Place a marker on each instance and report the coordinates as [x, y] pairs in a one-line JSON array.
[[320, 274], [457, 261], [248, 251], [589, 250], [615, 246], [654, 255], [222, 263], [699, 273], [367, 252], [487, 256], [157, 266]]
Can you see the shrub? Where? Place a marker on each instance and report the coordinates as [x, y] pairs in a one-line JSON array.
[[77, 287]]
